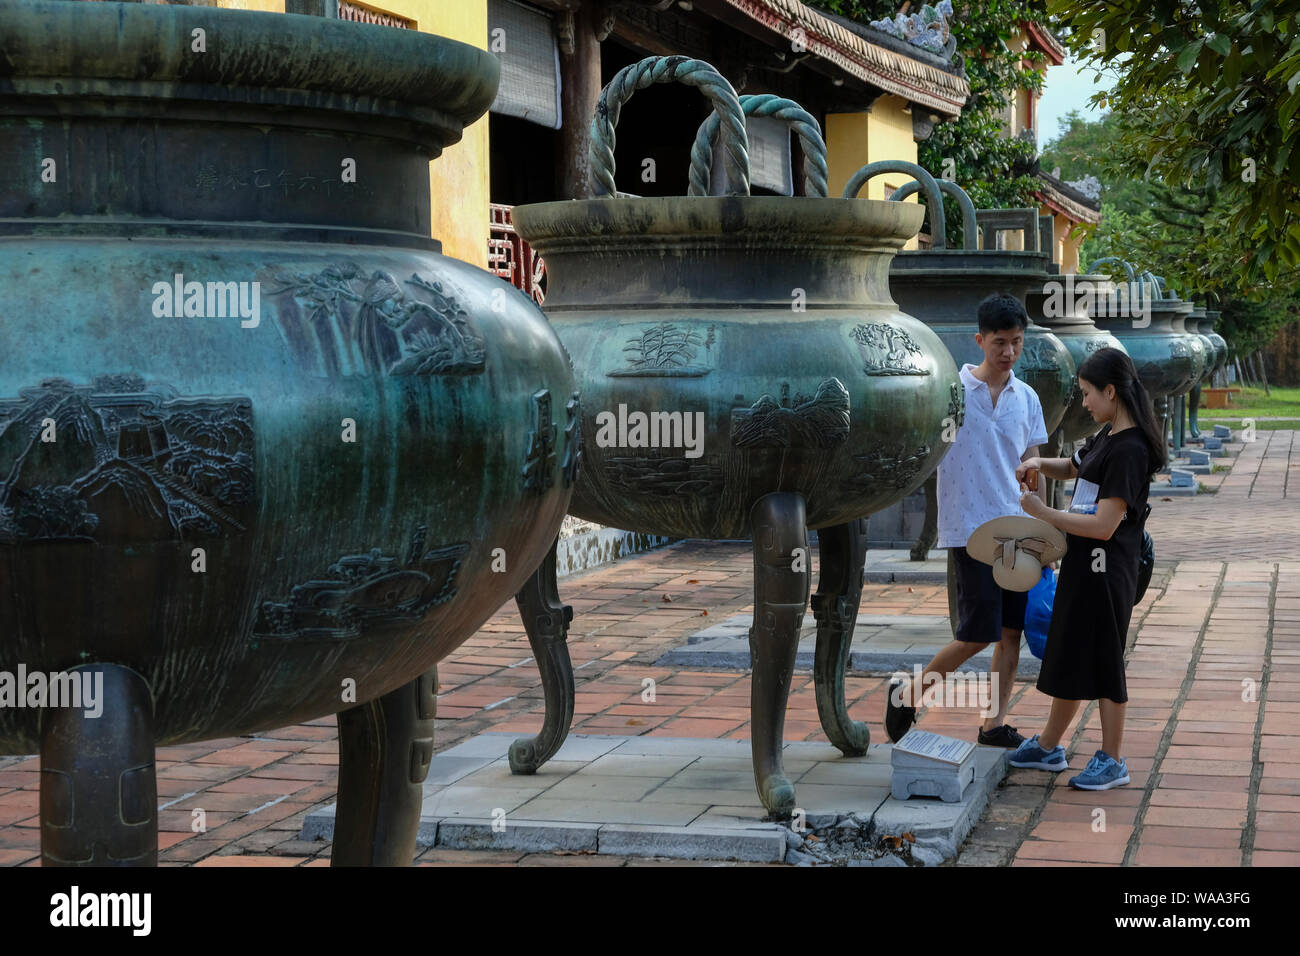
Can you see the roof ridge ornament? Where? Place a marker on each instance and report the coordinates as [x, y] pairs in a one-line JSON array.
[[928, 29]]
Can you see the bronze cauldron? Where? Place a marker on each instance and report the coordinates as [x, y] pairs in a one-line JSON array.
[[777, 387], [267, 454]]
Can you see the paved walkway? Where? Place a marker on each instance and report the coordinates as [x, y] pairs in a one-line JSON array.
[[1216, 778]]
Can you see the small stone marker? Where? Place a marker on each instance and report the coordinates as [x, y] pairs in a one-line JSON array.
[[1181, 479], [1197, 458], [1212, 444], [1223, 432], [928, 765]]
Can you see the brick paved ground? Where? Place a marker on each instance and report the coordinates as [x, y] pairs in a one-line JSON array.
[[1216, 779]]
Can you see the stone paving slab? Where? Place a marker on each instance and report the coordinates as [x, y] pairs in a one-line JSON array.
[[882, 644], [889, 565], [1163, 489], [679, 798]]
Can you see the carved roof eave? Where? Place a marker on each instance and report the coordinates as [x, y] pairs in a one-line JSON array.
[[1043, 39], [939, 91], [1075, 209]]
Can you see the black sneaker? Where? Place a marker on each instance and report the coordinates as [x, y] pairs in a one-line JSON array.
[[898, 720], [1004, 736]]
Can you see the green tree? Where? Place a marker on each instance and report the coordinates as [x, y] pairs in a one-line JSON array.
[[1084, 147], [1175, 231], [1214, 88]]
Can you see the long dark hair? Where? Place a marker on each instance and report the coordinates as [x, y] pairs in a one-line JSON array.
[[1112, 367]]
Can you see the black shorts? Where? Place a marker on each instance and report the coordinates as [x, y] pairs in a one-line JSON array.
[[983, 608]]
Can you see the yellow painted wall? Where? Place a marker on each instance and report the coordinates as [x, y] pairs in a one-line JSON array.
[[270, 6], [855, 139], [1066, 243], [458, 179]]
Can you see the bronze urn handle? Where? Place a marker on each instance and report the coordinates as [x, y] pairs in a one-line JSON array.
[[799, 120], [934, 198], [668, 69]]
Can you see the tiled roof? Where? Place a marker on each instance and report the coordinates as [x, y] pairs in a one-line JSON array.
[[1067, 200], [1046, 41], [914, 78]]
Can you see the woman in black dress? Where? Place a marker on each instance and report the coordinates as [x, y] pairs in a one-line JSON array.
[[1084, 658]]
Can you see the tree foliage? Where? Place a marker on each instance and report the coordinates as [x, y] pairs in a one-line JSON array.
[[1178, 232], [1216, 88]]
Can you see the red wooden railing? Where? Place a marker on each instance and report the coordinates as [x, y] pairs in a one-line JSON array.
[[513, 259]]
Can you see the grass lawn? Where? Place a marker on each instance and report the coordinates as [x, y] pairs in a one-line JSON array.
[[1281, 403]]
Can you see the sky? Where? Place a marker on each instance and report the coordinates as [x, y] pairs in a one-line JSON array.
[[1067, 88]]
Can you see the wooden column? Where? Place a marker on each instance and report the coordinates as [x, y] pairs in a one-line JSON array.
[[581, 31]]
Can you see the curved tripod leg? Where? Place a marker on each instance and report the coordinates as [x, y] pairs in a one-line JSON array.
[[1193, 408], [547, 622], [781, 583], [930, 527], [1162, 415], [843, 551], [99, 790], [384, 751]]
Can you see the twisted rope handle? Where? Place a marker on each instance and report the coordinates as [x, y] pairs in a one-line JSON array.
[[789, 112], [934, 199], [1158, 282], [970, 237], [669, 69], [1133, 277]]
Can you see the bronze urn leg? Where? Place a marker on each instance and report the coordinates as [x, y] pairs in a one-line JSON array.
[[384, 751], [99, 790], [843, 552], [930, 526], [1161, 408], [781, 584], [1193, 408], [546, 620]]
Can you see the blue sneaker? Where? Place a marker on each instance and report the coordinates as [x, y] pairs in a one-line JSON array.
[[1030, 755], [1102, 773]]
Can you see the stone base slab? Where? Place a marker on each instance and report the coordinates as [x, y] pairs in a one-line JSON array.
[[882, 644], [684, 798]]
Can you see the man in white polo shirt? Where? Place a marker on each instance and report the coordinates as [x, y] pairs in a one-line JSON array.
[[977, 482]]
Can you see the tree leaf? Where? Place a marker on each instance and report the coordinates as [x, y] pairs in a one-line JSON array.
[[1188, 56], [1219, 43], [1232, 68], [1288, 109]]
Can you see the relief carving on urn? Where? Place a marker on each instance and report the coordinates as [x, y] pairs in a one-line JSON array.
[[888, 350], [893, 466], [365, 591], [361, 324], [123, 460], [818, 422], [667, 350]]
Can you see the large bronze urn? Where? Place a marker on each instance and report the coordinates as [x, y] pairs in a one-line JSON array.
[[1216, 359], [1062, 304], [1142, 318], [267, 454], [1206, 328], [944, 287], [745, 372]]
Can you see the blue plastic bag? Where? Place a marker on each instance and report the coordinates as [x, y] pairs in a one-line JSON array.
[[1038, 612]]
